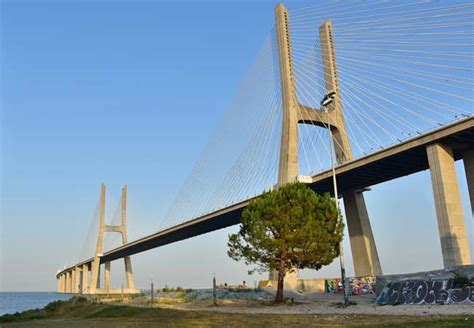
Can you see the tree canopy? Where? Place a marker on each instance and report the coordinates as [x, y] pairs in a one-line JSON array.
[[290, 227]]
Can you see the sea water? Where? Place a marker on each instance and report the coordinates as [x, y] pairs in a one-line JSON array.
[[11, 302]]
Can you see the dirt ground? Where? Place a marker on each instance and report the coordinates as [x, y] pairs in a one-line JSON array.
[[317, 303]]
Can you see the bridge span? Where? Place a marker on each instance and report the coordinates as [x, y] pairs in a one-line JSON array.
[[387, 164]]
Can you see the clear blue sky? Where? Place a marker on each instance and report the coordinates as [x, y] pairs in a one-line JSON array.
[[129, 93]]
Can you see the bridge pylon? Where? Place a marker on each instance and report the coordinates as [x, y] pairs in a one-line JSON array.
[[94, 287], [365, 256]]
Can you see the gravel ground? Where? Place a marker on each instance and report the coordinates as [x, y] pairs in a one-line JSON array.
[[316, 303], [328, 308]]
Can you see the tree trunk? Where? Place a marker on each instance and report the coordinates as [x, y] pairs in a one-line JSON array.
[[281, 279]]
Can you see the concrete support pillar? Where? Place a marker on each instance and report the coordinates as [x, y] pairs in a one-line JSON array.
[[95, 276], [288, 164], [60, 284], [98, 277], [68, 282], [77, 280], [95, 267], [94, 279], [364, 251], [129, 273], [452, 231], [63, 283], [73, 281], [468, 159], [107, 277], [85, 273]]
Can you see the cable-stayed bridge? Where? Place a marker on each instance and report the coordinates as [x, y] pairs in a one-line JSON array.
[[380, 90]]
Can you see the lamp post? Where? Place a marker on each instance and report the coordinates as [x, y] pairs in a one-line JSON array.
[[328, 99], [214, 291], [152, 296]]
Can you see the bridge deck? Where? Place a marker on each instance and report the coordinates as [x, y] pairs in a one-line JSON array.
[[390, 163]]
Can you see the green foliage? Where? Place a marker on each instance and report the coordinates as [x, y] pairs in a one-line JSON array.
[[168, 289], [293, 226]]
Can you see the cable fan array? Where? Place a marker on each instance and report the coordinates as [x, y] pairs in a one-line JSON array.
[[404, 68], [241, 158], [90, 242]]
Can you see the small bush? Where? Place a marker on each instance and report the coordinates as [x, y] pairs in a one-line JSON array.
[[53, 306]]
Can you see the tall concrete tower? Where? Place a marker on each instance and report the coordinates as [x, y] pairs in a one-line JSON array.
[[366, 261], [94, 286]]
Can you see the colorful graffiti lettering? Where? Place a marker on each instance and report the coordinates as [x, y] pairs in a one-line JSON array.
[[426, 292], [333, 286], [362, 286], [357, 286]]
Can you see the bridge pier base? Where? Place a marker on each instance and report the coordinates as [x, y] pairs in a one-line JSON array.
[[468, 159], [364, 251], [452, 230]]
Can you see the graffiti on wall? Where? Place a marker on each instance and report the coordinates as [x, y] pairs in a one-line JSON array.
[[442, 291], [357, 286], [333, 286], [362, 286]]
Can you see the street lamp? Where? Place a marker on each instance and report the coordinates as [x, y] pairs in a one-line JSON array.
[[327, 100]]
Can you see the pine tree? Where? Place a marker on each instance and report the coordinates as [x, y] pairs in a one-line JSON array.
[[291, 227]]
